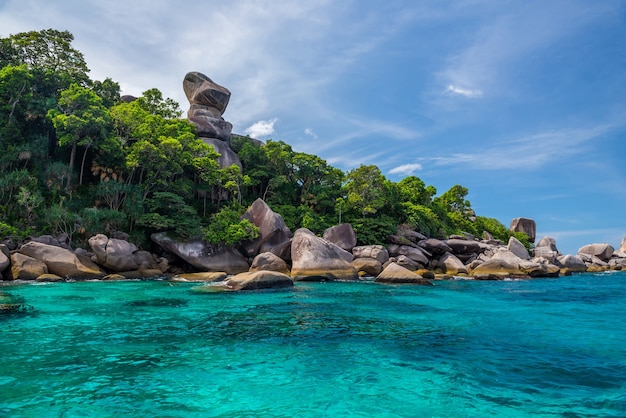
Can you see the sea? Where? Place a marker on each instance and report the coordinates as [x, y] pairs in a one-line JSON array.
[[461, 348]]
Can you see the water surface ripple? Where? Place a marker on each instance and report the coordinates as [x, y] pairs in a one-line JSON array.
[[549, 347]]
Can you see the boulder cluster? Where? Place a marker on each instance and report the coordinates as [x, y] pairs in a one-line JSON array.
[[279, 257]]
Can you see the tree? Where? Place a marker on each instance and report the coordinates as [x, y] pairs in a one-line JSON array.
[[365, 190], [80, 119], [108, 90], [152, 101], [50, 52]]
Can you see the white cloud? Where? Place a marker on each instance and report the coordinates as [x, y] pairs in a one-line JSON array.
[[472, 94], [406, 169], [261, 128], [310, 132]]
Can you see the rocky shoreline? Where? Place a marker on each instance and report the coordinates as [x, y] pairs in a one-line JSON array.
[[278, 258]]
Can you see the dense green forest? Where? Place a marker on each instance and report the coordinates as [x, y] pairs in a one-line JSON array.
[[76, 159]]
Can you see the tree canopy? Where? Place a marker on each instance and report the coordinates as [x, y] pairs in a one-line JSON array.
[[75, 159]]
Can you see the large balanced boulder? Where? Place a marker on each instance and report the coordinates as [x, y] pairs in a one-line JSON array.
[[274, 235], [525, 225], [208, 102], [24, 267], [602, 251], [201, 255], [394, 273], [341, 235], [314, 258]]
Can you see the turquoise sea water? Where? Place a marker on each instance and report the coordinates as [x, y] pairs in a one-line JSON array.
[[548, 347]]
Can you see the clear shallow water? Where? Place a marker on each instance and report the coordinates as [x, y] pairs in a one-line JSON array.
[[549, 347]]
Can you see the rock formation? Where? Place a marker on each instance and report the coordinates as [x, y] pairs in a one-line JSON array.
[[203, 256], [316, 259], [208, 101], [525, 225]]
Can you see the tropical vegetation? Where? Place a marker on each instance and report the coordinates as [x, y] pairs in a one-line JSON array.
[[77, 159]]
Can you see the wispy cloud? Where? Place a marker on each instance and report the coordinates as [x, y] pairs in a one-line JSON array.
[[310, 132], [472, 94], [505, 45], [261, 128], [531, 151], [406, 169]]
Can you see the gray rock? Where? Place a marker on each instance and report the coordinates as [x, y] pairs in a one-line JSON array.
[[406, 262], [24, 267], [464, 246], [61, 261], [203, 256], [395, 273], [517, 248], [367, 266], [602, 251], [269, 262], [548, 242], [227, 156], [377, 252], [314, 258], [342, 235], [255, 280], [274, 236], [201, 90], [621, 251], [545, 252], [415, 254], [114, 254], [525, 225], [435, 246], [572, 263], [451, 265], [5, 258]]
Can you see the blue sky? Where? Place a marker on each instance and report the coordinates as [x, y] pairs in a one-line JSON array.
[[522, 102]]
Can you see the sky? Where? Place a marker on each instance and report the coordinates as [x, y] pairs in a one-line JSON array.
[[523, 102]]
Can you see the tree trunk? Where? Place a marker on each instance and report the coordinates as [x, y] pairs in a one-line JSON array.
[[82, 165], [71, 166]]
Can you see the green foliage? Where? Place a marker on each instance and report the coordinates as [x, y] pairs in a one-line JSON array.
[[169, 212], [374, 230], [8, 231], [153, 102], [226, 227], [142, 168]]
